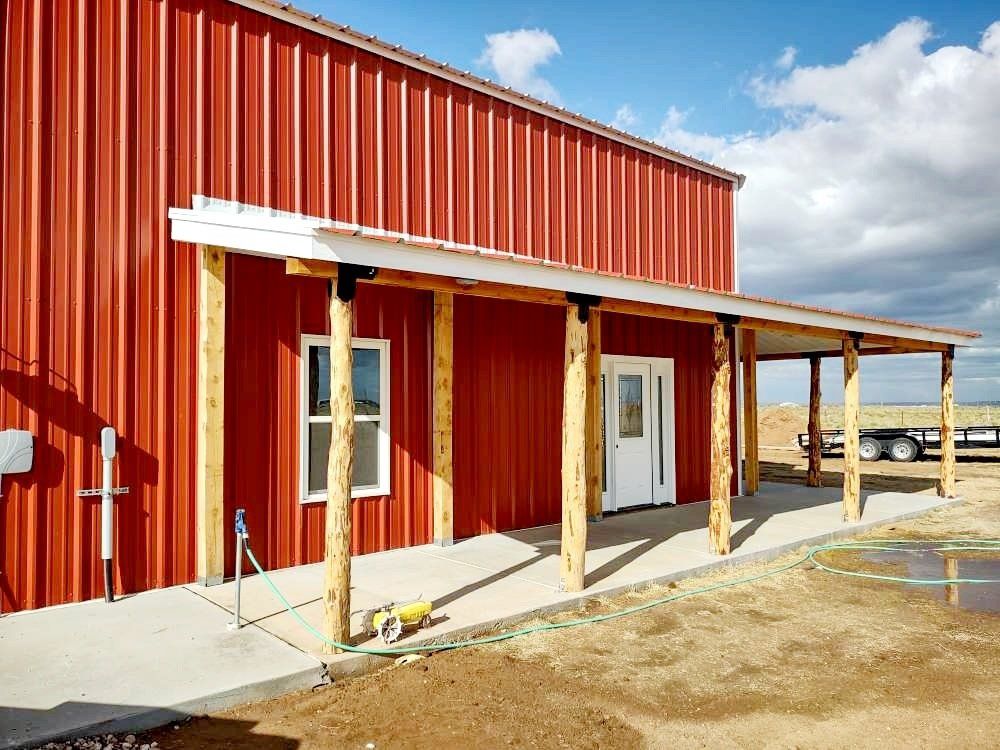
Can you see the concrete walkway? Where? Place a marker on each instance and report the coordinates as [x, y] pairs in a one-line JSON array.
[[486, 582], [138, 663], [91, 668]]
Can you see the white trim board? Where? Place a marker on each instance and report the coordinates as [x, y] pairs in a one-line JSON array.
[[262, 231]]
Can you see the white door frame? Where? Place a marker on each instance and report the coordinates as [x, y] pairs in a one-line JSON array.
[[661, 383]]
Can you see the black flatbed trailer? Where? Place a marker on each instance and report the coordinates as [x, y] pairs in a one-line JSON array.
[[906, 443]]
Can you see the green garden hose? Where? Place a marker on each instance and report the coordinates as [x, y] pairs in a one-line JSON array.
[[894, 545]]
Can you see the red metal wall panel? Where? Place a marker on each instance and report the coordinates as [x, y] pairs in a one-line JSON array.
[[508, 406], [263, 417], [115, 110]]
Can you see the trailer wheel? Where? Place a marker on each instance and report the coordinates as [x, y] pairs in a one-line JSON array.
[[870, 449], [903, 450]]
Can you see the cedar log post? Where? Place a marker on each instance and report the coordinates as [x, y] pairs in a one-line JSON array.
[[574, 454], [442, 418], [209, 524], [595, 462], [337, 579], [751, 469], [814, 478], [947, 488], [720, 511], [852, 419]]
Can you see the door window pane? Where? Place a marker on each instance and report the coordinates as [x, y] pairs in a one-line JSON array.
[[630, 406]]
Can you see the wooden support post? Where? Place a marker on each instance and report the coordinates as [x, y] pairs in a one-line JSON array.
[[595, 456], [947, 488], [442, 418], [852, 420], [720, 511], [814, 477], [574, 454], [209, 524], [337, 576], [751, 469]]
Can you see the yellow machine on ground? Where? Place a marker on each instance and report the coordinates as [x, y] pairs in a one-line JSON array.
[[389, 620]]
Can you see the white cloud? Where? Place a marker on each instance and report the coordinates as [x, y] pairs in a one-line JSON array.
[[786, 59], [515, 56], [879, 191], [625, 118]]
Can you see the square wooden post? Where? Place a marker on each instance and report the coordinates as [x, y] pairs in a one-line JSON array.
[[947, 488], [814, 477], [337, 573], [574, 452], [209, 523], [751, 471], [595, 456], [720, 510], [852, 437], [442, 418]]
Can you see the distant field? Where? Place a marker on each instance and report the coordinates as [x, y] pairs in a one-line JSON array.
[[779, 425]]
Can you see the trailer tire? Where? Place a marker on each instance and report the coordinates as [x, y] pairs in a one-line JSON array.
[[870, 449], [903, 450]]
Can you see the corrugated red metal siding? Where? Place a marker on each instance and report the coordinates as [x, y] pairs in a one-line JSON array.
[[267, 313], [508, 412], [690, 346], [115, 110]]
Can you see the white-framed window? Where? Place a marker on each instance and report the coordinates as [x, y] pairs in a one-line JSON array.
[[370, 377]]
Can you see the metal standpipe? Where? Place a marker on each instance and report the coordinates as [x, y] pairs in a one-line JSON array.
[[108, 450], [241, 536], [107, 492]]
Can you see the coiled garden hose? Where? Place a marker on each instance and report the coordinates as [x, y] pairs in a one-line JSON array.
[[890, 545]]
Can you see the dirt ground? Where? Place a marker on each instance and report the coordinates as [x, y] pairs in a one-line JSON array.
[[804, 659]]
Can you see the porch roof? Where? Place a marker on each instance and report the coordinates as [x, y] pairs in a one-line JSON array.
[[786, 329]]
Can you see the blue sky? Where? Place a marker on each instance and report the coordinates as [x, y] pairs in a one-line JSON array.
[[696, 56], [868, 137]]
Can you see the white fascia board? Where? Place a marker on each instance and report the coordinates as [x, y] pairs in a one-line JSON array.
[[264, 232]]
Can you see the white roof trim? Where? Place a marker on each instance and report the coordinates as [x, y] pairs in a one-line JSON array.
[[261, 231]]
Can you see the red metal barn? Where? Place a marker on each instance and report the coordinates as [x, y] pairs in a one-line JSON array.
[[116, 111]]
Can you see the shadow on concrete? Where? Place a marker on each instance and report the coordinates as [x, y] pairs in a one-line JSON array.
[[773, 471], [28, 727]]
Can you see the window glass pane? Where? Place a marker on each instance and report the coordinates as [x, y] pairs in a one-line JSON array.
[[319, 455], [366, 376], [319, 381], [366, 459], [365, 454], [659, 419], [604, 438], [630, 406]]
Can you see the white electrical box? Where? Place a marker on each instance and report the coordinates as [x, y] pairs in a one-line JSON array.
[[17, 449]]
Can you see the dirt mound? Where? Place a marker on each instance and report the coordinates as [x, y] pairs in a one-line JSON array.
[[779, 425]]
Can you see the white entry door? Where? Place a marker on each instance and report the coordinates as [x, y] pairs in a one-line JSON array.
[[632, 436]]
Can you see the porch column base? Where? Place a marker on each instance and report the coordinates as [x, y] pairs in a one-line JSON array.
[[210, 580], [595, 519], [443, 541]]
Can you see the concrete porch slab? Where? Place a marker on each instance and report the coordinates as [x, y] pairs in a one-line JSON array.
[[140, 662], [485, 582], [93, 668]]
